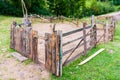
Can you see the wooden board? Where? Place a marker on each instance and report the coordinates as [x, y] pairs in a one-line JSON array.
[[53, 60], [19, 56]]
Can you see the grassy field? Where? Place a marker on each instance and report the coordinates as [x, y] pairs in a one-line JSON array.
[[5, 24], [105, 66]]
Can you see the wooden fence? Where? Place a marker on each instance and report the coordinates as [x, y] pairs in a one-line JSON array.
[[24, 40], [56, 57]]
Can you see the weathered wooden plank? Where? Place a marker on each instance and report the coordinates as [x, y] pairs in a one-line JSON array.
[[84, 39], [94, 36], [100, 28], [57, 55], [106, 34], [75, 31], [35, 47], [46, 50], [100, 22], [19, 56], [49, 55], [61, 51], [54, 52], [72, 41], [53, 59], [64, 44], [12, 45]]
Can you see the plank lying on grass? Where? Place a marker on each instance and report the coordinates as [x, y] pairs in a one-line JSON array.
[[92, 56], [19, 56]]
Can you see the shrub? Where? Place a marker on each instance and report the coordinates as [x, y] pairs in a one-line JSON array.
[[7, 9], [98, 8]]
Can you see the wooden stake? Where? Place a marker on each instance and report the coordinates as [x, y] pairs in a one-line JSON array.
[[92, 56], [106, 38], [84, 37]]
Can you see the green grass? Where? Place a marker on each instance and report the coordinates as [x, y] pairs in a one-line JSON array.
[[27, 62], [5, 24], [105, 66]]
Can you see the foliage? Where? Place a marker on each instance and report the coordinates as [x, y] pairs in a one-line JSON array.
[[116, 2], [68, 8], [13, 7], [98, 8], [9, 9]]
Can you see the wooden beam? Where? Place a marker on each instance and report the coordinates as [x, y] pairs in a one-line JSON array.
[[74, 40], [92, 56], [75, 31], [84, 38], [106, 34], [19, 56]]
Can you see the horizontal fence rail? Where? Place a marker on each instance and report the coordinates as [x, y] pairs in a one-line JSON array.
[[75, 31]]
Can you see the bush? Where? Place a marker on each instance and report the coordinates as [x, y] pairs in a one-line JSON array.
[[116, 2], [7, 9], [98, 8], [16, 10]]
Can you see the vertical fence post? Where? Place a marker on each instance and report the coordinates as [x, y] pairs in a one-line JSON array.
[[53, 52], [35, 47], [106, 32], [47, 50], [113, 29], [12, 41], [92, 21], [95, 36], [104, 28], [60, 44], [92, 32], [84, 37], [77, 22]]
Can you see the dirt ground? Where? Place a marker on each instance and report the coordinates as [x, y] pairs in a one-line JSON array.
[[12, 69]]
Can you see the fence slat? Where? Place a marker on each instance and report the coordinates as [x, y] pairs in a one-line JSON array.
[[106, 32], [84, 38], [53, 53]]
